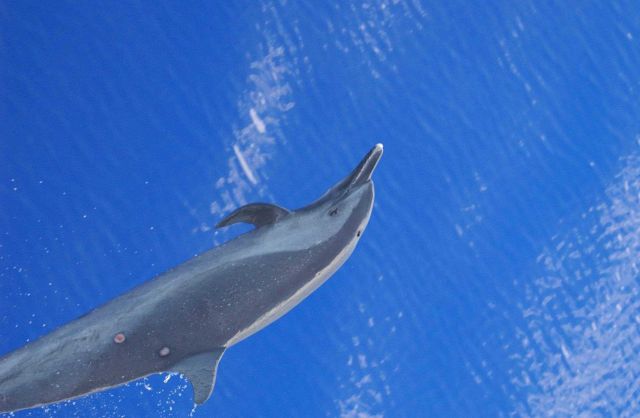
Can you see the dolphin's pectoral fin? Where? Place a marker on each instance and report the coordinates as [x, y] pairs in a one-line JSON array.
[[258, 214], [200, 370]]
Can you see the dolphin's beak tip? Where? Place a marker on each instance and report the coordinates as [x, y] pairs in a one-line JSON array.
[[377, 150], [375, 154]]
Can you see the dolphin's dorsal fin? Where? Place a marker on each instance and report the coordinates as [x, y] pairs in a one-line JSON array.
[[258, 214], [200, 370]]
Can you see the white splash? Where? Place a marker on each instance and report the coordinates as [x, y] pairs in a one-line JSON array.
[[261, 108], [257, 122], [244, 165]]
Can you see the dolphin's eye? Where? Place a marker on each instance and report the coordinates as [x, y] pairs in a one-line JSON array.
[[358, 233], [333, 212]]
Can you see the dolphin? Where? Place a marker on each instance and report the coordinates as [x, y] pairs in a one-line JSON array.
[[183, 320]]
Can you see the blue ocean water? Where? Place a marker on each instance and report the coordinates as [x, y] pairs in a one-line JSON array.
[[499, 273]]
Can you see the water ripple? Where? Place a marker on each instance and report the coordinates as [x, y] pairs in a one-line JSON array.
[[581, 339]]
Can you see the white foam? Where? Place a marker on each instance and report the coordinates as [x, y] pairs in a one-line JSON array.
[[244, 165], [269, 93], [257, 122]]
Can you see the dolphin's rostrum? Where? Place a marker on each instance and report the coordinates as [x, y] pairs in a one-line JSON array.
[[183, 320]]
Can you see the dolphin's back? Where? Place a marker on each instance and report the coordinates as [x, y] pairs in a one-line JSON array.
[[213, 300]]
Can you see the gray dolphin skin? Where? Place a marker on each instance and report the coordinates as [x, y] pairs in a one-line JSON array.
[[182, 321]]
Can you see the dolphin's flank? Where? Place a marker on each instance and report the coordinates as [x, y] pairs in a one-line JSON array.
[[183, 320]]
